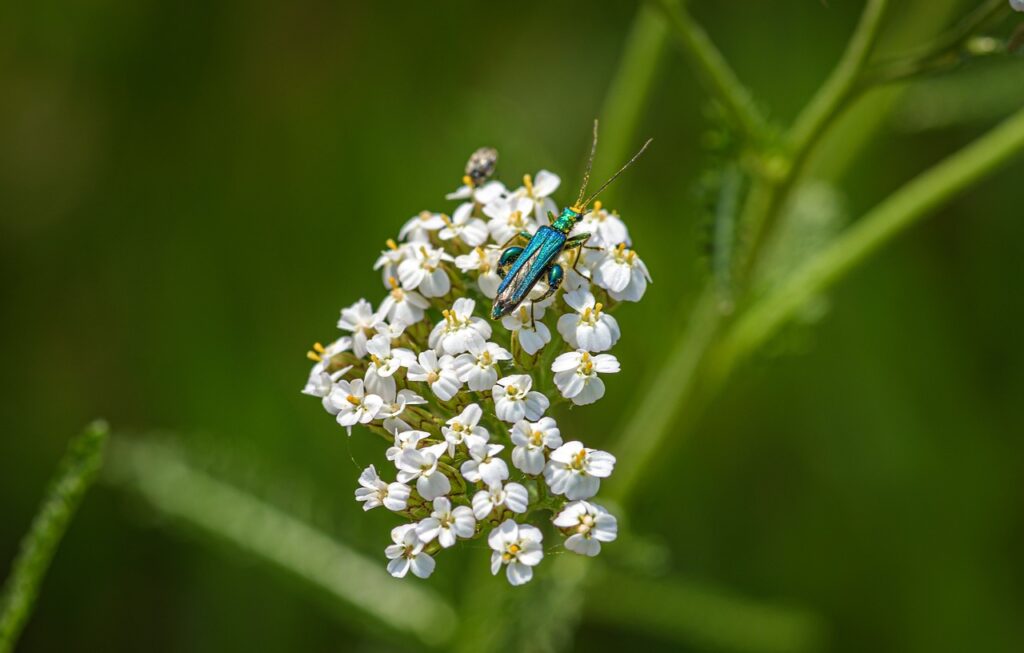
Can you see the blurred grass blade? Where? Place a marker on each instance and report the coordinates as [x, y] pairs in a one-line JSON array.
[[77, 470], [701, 617], [630, 88], [166, 480]]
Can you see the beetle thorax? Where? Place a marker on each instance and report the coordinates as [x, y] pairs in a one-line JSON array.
[[567, 220]]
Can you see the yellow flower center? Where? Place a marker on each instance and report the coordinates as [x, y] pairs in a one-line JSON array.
[[528, 182], [316, 354]]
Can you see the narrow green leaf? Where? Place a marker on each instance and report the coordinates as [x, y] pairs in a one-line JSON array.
[[75, 474]]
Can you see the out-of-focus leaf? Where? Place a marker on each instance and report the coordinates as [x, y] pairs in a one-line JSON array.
[[813, 218], [979, 94], [164, 478], [704, 617]]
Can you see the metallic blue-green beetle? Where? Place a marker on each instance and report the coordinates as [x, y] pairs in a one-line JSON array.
[[520, 268]]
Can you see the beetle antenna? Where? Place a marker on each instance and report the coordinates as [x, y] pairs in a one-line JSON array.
[[586, 203], [590, 164]]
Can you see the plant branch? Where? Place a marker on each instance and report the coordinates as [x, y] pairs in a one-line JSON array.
[[77, 470], [831, 96], [823, 108], [944, 52], [715, 72], [895, 214]]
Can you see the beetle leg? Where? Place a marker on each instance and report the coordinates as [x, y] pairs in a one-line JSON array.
[[508, 257], [525, 235], [555, 277], [577, 243]]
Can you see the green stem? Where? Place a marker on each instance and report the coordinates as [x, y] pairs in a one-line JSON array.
[[895, 214], [715, 72], [827, 103], [77, 470], [832, 95], [673, 387]]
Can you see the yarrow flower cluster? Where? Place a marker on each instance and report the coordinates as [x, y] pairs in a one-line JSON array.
[[462, 402]]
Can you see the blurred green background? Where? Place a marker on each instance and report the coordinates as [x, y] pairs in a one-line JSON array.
[[190, 191]]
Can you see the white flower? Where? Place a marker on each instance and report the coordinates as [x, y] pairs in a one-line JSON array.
[[394, 406], [404, 441], [439, 373], [530, 440], [576, 375], [350, 403], [464, 429], [606, 229], [407, 553], [622, 274], [375, 492], [446, 524], [531, 333], [587, 524], [489, 192], [420, 465], [360, 319], [403, 306], [509, 217], [391, 258], [418, 227], [576, 471], [479, 366], [1017, 5], [425, 272], [591, 328], [485, 262], [518, 547], [384, 362], [536, 192], [463, 226], [512, 496], [458, 328], [485, 465], [320, 382], [513, 399]]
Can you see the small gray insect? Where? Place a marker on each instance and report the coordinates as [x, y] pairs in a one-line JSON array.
[[481, 165]]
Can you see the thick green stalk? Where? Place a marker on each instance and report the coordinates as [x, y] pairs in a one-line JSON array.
[[74, 476], [895, 214], [716, 73]]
